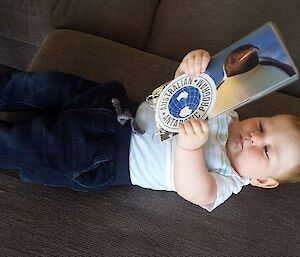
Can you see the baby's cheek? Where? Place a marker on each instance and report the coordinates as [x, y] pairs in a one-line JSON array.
[[248, 155], [253, 159]]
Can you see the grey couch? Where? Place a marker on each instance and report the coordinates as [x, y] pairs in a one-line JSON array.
[[140, 42]]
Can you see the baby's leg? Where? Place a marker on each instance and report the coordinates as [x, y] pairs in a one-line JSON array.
[[74, 149], [52, 92], [72, 146]]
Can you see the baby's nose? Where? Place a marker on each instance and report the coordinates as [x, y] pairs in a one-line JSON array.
[[256, 138]]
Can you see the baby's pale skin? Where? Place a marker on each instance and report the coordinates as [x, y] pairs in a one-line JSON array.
[[256, 147], [262, 148]]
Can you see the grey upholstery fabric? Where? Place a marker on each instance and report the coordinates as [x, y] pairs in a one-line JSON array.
[[167, 28], [130, 221], [15, 53], [214, 25], [123, 21], [25, 23], [180, 26], [100, 59]]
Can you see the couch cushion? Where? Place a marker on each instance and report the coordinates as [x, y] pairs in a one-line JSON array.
[[135, 219], [123, 21], [100, 59], [131, 221], [16, 54], [272, 104], [181, 26]]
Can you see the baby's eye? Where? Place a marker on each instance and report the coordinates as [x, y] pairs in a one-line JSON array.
[[266, 152], [261, 127]]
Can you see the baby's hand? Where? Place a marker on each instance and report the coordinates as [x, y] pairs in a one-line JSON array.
[[194, 63], [193, 134]]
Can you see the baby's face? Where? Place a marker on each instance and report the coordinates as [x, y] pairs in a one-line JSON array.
[[262, 147]]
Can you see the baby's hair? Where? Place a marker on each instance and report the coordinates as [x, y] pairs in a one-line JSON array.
[[292, 175]]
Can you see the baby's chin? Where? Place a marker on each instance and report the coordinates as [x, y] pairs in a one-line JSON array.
[[234, 164], [231, 158]]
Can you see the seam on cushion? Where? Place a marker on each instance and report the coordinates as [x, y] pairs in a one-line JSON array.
[[151, 25], [21, 41]]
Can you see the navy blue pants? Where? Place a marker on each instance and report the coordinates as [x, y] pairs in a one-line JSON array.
[[72, 139]]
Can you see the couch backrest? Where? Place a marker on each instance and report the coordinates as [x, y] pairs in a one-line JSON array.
[[180, 26], [168, 28], [25, 23], [127, 22]]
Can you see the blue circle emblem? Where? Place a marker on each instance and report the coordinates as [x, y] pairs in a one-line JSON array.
[[184, 102]]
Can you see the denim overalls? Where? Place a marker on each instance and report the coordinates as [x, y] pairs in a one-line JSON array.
[[73, 139]]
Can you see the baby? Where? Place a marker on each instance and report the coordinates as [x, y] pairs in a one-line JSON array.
[[74, 140], [264, 151]]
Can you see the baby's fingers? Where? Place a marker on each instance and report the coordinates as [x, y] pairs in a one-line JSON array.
[[181, 129], [197, 66], [202, 59], [199, 126], [194, 66], [194, 63], [188, 127]]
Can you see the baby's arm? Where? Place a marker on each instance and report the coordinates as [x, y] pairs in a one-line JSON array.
[[192, 179], [193, 182]]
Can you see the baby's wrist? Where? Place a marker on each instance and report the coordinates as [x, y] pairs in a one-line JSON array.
[[189, 148]]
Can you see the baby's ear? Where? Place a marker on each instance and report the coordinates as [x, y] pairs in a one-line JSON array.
[[264, 182]]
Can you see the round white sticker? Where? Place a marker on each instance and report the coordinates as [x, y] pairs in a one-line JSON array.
[[184, 98]]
